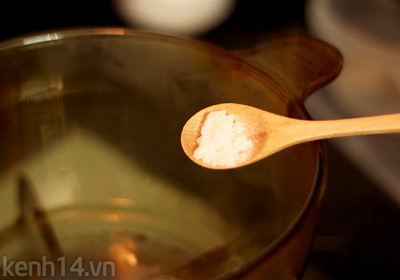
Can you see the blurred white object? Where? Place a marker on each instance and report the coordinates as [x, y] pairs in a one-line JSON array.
[[178, 17], [367, 33]]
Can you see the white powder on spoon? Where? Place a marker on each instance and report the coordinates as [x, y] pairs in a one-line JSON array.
[[223, 140]]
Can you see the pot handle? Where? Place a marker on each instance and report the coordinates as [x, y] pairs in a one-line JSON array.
[[300, 64]]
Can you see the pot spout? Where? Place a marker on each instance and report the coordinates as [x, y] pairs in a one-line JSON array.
[[299, 64]]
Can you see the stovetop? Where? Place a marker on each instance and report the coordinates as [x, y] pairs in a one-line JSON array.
[[358, 230]]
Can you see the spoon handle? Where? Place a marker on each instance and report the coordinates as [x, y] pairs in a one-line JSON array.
[[316, 130]]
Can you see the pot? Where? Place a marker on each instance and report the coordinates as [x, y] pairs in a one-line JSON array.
[[91, 122]]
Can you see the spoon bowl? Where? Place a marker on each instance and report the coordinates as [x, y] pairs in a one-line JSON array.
[[271, 133]]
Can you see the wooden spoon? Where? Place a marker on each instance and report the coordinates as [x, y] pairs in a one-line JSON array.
[[271, 133]]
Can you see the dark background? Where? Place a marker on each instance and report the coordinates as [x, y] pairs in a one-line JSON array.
[[359, 227], [251, 22]]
